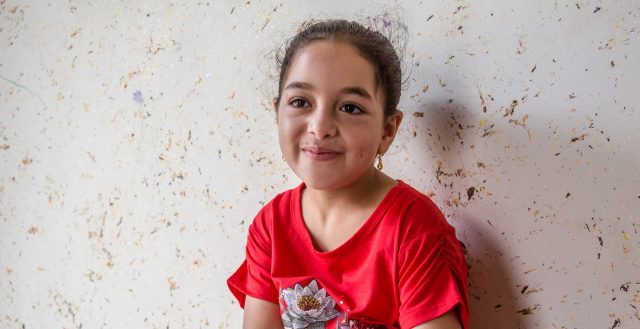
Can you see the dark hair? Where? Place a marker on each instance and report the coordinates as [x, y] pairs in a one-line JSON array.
[[371, 44]]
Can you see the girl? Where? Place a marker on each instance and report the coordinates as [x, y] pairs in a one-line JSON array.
[[350, 247]]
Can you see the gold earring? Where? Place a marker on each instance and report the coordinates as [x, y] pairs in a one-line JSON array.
[[380, 166]]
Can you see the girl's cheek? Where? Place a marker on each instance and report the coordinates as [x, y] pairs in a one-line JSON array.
[[282, 117], [287, 127], [293, 123]]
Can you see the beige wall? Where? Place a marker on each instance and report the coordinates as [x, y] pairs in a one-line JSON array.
[[137, 144]]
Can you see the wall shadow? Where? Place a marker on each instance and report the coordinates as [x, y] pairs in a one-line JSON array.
[[493, 294], [493, 298]]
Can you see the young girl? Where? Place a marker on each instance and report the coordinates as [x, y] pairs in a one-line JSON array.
[[350, 247]]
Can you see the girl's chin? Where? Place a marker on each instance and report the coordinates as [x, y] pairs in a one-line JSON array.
[[320, 185], [326, 182], [321, 181]]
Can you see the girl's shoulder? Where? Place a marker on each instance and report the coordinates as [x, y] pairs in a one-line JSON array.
[[283, 199], [420, 215], [279, 208]]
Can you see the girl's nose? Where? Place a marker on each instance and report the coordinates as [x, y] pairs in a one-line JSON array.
[[322, 123]]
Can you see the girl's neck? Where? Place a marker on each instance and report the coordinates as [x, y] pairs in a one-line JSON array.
[[365, 192]]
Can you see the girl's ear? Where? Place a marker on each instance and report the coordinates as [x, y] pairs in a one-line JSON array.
[[275, 107], [390, 129]]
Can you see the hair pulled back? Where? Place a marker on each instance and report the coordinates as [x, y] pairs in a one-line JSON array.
[[370, 44]]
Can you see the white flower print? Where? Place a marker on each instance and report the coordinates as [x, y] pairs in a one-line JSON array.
[[307, 307]]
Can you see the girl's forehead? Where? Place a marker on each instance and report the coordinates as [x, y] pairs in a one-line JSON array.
[[332, 63]]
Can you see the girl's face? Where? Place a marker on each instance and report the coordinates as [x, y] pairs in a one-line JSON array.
[[330, 116]]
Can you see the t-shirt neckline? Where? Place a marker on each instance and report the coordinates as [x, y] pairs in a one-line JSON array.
[[361, 232]]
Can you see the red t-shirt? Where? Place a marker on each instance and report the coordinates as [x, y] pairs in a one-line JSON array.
[[402, 267]]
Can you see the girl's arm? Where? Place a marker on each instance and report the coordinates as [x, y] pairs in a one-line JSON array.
[[447, 321], [261, 314]]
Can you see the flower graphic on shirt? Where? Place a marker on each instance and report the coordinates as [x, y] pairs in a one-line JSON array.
[[307, 307]]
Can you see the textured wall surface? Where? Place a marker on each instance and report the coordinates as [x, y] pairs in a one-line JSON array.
[[137, 143]]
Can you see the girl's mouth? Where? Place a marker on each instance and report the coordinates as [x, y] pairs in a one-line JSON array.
[[320, 153]]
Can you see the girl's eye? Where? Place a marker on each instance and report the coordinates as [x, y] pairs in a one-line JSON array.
[[351, 109], [299, 103]]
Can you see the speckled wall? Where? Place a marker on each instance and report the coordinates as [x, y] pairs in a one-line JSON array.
[[137, 143]]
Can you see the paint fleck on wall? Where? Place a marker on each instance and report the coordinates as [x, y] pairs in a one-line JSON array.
[[137, 142]]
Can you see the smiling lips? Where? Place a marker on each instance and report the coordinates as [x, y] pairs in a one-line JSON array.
[[322, 154]]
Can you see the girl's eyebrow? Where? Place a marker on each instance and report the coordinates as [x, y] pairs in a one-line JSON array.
[[346, 90], [356, 90], [299, 85]]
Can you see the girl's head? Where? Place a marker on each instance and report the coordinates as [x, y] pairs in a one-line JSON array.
[[336, 107], [371, 45]]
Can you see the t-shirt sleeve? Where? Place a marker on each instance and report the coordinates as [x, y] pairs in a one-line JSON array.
[[432, 276], [253, 277]]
